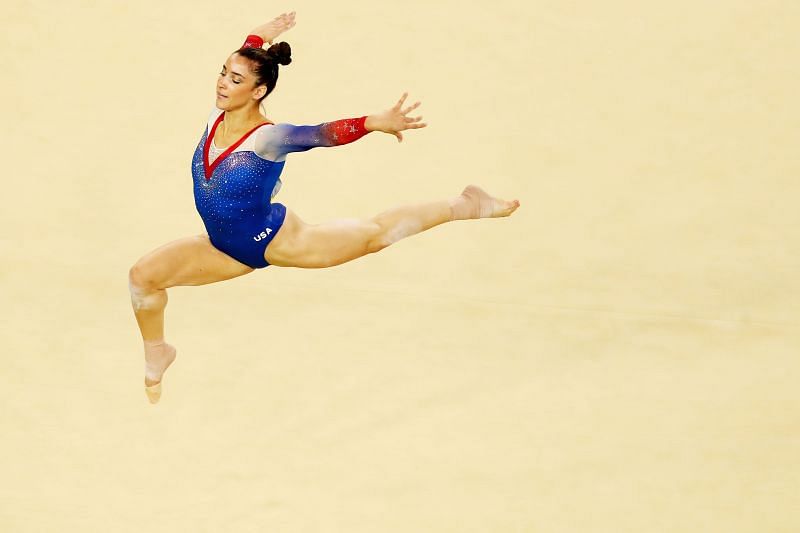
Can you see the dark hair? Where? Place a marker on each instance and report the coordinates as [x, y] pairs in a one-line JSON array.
[[266, 63]]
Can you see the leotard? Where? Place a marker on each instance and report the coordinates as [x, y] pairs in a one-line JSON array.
[[233, 192]]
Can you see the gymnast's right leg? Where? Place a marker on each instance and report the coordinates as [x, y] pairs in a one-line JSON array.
[[188, 261], [302, 245]]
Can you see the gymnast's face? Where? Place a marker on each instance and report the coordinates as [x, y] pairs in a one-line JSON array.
[[236, 84]]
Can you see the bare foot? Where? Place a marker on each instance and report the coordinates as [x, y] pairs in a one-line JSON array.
[[157, 357], [474, 202]]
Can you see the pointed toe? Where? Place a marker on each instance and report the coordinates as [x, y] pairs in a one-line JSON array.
[[153, 392]]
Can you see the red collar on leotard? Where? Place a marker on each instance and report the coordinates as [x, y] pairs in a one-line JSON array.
[[209, 169]]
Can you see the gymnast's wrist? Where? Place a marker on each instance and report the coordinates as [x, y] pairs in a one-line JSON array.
[[370, 123]]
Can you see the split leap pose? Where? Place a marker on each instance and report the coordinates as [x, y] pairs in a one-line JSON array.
[[236, 169]]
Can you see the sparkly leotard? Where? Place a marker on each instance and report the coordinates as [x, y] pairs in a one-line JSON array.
[[233, 190]]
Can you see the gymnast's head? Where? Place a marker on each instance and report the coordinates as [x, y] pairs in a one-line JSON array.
[[250, 74]]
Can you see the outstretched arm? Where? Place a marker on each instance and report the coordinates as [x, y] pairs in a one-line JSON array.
[[274, 143], [269, 31]]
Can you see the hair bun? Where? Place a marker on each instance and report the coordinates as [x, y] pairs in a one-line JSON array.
[[280, 52]]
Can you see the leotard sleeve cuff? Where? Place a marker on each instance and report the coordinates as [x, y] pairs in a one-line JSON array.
[[347, 130], [253, 41]]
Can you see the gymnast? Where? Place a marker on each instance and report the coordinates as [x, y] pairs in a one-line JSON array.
[[236, 172]]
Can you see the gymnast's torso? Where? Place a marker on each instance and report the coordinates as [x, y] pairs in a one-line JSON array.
[[233, 191]]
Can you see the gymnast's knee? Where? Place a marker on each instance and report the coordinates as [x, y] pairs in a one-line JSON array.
[[378, 239], [377, 244], [138, 276], [144, 293], [386, 234]]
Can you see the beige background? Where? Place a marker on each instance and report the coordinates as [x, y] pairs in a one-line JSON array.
[[620, 355]]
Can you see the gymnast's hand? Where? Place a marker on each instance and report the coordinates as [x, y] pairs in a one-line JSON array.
[[275, 27], [394, 120]]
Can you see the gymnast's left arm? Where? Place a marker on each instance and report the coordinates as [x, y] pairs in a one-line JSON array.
[[275, 142]]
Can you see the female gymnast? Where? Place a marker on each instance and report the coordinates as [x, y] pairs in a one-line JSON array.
[[236, 169]]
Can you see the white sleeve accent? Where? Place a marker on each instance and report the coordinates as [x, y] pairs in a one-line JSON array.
[[267, 143]]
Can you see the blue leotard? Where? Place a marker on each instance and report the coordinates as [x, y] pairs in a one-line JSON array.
[[233, 193]]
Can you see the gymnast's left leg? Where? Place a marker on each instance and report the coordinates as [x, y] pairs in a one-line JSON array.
[[302, 245]]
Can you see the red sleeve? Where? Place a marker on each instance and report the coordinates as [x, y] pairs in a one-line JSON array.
[[345, 131]]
